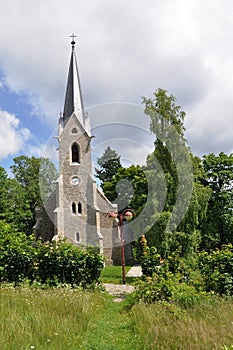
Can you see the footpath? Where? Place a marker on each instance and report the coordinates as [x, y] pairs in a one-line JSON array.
[[120, 290]]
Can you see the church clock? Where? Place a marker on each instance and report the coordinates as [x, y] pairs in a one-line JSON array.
[[75, 180]]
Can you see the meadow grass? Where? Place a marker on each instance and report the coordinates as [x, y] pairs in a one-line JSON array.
[[61, 319], [207, 326]]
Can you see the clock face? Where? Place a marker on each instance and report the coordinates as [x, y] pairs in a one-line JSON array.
[[75, 180]]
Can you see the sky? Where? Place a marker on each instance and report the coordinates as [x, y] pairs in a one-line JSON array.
[[125, 50]]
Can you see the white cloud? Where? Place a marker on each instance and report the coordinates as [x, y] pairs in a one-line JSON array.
[[126, 50], [12, 136]]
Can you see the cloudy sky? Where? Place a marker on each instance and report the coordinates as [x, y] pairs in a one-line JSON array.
[[126, 50]]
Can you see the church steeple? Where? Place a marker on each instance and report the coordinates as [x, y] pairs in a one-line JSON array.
[[73, 99]]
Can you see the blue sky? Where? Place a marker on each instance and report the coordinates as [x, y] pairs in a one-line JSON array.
[[125, 50], [25, 131]]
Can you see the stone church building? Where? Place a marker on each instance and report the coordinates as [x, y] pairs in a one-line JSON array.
[[78, 210]]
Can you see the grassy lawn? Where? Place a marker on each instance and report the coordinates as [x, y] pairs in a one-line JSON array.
[[113, 274], [60, 319]]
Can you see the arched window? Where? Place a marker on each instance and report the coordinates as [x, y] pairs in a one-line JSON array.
[[73, 206], [79, 208], [75, 151]]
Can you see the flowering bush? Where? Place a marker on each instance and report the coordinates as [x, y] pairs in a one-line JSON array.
[[217, 270]]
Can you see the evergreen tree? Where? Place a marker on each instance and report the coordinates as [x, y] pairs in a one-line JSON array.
[[108, 163], [128, 188]]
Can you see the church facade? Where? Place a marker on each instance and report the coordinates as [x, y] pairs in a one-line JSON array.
[[78, 210]]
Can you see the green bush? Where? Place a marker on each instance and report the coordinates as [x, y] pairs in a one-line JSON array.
[[187, 268], [49, 264], [150, 261], [165, 286], [173, 280], [16, 255], [64, 263], [217, 270]]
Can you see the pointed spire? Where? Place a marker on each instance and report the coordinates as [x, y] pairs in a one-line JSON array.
[[73, 99]]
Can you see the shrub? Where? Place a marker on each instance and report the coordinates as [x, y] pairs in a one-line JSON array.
[[186, 268], [173, 280], [64, 263], [167, 287], [46, 263], [150, 261], [16, 255], [217, 270]]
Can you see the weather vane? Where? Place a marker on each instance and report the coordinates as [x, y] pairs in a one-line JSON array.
[[73, 38]]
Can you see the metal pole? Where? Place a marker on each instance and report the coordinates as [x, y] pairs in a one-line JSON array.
[[122, 249]]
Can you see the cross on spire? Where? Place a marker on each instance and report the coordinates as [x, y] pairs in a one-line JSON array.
[[73, 38]]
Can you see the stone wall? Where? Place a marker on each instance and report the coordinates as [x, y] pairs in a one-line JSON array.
[[44, 227]]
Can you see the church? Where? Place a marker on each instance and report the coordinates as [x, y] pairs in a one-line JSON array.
[[77, 210]]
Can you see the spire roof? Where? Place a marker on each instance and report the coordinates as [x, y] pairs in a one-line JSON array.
[[73, 99]]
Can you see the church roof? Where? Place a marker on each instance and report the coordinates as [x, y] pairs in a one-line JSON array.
[[73, 99]]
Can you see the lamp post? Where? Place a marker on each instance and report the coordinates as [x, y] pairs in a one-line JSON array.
[[127, 215]]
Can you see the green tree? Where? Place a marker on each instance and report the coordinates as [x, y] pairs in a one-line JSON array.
[[108, 163], [16, 254], [218, 227], [34, 180], [128, 188], [18, 211], [173, 162], [167, 124], [3, 192]]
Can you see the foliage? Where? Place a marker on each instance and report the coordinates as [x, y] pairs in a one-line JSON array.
[[49, 264], [176, 225], [16, 255], [128, 188], [167, 124], [173, 279], [218, 226], [33, 181], [150, 261], [165, 286], [164, 111], [3, 191], [64, 263], [187, 235], [108, 163], [212, 272], [217, 270]]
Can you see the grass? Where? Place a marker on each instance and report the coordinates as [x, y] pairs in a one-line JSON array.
[[113, 274], [59, 319], [167, 327]]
